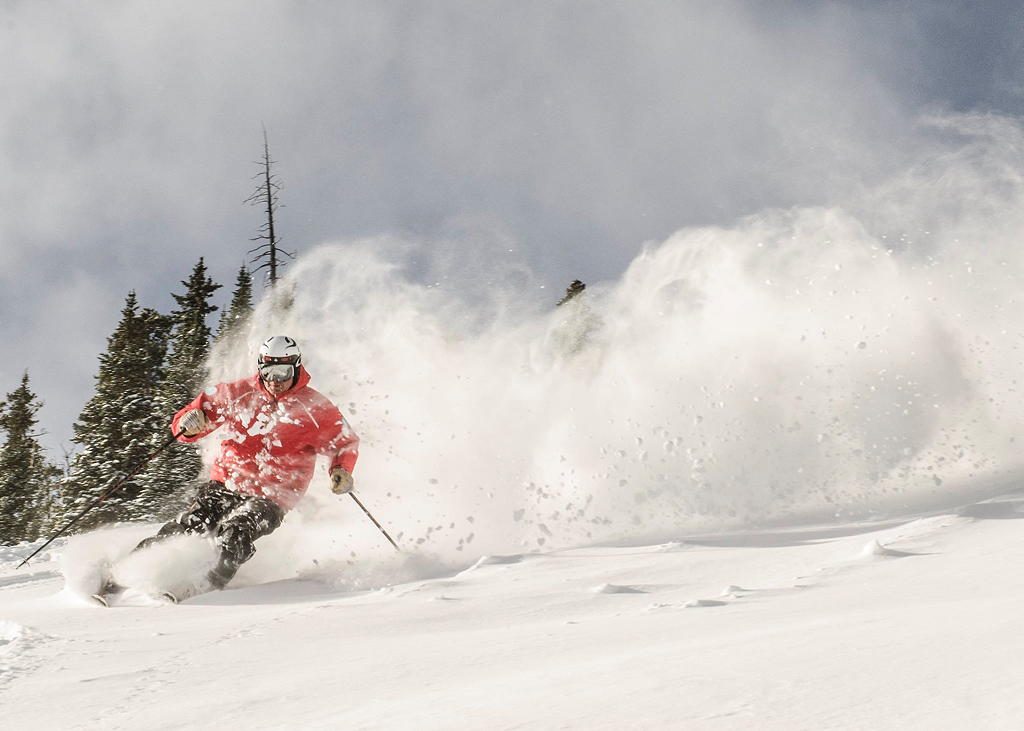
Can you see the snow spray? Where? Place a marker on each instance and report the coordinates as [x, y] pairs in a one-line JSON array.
[[850, 359]]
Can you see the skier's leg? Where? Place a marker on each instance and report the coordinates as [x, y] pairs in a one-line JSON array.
[[237, 534], [173, 528], [211, 503]]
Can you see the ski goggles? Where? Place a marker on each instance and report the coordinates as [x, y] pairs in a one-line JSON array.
[[277, 370]]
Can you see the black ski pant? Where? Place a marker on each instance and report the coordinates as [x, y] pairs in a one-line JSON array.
[[234, 520]]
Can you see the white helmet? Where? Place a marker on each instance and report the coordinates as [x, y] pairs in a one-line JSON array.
[[279, 358]]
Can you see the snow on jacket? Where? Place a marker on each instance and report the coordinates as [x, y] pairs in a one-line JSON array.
[[269, 445]]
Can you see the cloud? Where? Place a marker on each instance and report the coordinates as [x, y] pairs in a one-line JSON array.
[[409, 113]]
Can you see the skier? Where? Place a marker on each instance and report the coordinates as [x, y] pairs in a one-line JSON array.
[[273, 426]]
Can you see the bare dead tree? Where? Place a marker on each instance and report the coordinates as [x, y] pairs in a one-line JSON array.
[[269, 254]]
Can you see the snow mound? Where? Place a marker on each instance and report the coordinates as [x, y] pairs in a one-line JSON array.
[[16, 643], [617, 589], [697, 603], [493, 561], [499, 560], [733, 590], [18, 552], [875, 550], [999, 509], [673, 546], [7, 582], [10, 634]]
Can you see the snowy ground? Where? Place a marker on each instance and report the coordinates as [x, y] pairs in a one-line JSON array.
[[912, 623]]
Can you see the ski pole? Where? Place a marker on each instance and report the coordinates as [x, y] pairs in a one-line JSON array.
[[103, 496], [379, 526]]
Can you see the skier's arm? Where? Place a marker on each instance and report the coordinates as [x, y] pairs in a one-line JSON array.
[[338, 441], [205, 402]]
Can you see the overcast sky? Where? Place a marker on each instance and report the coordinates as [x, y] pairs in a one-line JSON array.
[[576, 130]]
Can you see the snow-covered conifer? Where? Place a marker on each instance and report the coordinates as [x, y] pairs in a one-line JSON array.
[[235, 320], [27, 479], [184, 376], [117, 426]]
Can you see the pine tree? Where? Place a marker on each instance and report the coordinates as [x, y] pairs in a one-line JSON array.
[[186, 372], [190, 340], [117, 426], [27, 479], [235, 321]]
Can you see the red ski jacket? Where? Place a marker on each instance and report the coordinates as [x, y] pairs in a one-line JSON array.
[[269, 445]]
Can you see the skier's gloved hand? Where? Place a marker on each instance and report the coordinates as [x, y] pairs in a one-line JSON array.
[[193, 423], [341, 481]]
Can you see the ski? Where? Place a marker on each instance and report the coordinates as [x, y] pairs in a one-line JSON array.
[[100, 599], [108, 588], [131, 598]]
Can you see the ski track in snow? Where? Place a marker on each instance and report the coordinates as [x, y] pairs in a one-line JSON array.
[[7, 582], [19, 654], [165, 674]]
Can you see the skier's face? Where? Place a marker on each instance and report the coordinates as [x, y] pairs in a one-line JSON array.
[[278, 373]]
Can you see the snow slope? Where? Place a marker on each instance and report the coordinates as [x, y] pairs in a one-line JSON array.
[[910, 623]]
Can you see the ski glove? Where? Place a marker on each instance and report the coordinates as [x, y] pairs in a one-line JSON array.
[[193, 423], [341, 481]]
